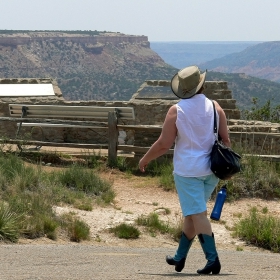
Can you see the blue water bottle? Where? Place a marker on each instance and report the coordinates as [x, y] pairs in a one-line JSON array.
[[220, 199]]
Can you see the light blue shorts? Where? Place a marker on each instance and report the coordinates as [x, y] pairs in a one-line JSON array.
[[194, 192]]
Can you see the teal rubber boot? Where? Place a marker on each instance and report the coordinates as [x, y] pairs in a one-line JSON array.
[[180, 257], [209, 248]]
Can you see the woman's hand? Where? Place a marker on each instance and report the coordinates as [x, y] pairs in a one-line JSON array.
[[142, 164]]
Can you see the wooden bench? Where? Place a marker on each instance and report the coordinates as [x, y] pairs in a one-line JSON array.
[[72, 116]]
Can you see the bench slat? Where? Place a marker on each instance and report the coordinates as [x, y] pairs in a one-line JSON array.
[[60, 125], [35, 111]]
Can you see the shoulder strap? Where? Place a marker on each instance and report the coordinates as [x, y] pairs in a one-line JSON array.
[[215, 117]]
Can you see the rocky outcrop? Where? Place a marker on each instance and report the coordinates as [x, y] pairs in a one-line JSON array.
[[114, 39]]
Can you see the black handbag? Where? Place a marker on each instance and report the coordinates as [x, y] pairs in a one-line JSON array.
[[224, 161]]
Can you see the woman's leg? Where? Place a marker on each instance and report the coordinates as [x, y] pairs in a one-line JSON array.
[[201, 224], [188, 227], [185, 243], [203, 230], [208, 245]]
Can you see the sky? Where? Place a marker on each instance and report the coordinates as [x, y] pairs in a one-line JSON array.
[[160, 20]]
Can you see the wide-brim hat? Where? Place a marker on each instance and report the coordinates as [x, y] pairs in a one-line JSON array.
[[187, 82]]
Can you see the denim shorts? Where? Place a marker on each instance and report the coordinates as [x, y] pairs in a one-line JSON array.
[[194, 192]]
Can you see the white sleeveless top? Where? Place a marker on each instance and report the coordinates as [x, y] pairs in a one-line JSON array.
[[195, 136]]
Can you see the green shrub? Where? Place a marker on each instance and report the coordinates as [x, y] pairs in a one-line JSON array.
[[78, 230], [267, 112], [161, 168], [10, 166], [50, 227], [166, 178], [260, 229], [9, 228], [16, 173], [125, 231], [85, 180], [83, 204], [153, 223], [258, 179]]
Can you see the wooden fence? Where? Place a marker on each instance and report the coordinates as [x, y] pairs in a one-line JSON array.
[[113, 132]]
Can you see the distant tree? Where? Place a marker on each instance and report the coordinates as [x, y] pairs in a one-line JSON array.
[[263, 113]]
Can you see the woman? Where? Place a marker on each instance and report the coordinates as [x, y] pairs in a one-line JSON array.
[[189, 124]]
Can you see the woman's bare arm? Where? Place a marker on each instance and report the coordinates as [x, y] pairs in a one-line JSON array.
[[165, 140]]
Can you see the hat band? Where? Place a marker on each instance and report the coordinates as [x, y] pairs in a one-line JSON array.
[[185, 91]]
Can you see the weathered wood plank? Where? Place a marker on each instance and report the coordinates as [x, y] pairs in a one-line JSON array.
[[150, 128], [55, 125], [53, 144], [268, 134], [54, 121], [137, 149], [264, 157], [113, 137]]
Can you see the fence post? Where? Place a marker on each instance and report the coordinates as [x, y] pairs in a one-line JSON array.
[[112, 137]]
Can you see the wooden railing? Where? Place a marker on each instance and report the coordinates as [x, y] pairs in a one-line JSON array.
[[113, 133]]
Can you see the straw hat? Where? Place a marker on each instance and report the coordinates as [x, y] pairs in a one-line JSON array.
[[187, 82]]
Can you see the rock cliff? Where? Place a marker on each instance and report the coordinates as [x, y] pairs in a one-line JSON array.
[[87, 66]]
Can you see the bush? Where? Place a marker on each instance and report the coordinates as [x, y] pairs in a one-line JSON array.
[[166, 177], [85, 180], [79, 230], [153, 223], [125, 231], [263, 113], [9, 229], [258, 179], [260, 229]]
